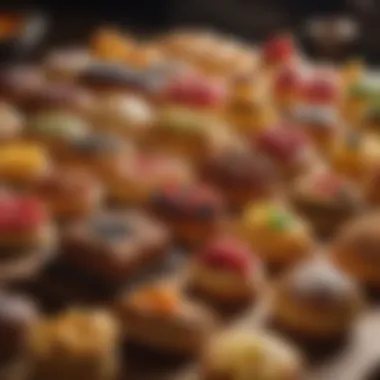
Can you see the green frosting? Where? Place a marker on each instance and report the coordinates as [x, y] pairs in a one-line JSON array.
[[279, 221]]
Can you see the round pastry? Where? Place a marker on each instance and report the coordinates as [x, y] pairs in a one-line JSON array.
[[278, 51], [226, 272], [280, 237], [326, 200], [23, 164], [70, 193], [245, 354], [288, 148], [79, 341], [18, 315], [158, 316], [357, 247], [144, 175], [241, 176], [11, 123], [56, 129], [320, 90], [316, 301], [194, 212], [129, 115]]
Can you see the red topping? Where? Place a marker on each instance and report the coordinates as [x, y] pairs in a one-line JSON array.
[[320, 90], [328, 184], [196, 91], [279, 49], [227, 254], [20, 213], [281, 143], [288, 80]]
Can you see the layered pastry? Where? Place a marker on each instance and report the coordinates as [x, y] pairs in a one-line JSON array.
[[241, 176], [356, 249], [129, 115], [23, 164], [245, 354], [226, 272], [57, 129], [316, 301], [109, 247], [278, 51], [194, 212], [145, 174], [159, 317], [288, 148], [71, 193], [74, 343], [280, 237], [326, 200], [12, 123]]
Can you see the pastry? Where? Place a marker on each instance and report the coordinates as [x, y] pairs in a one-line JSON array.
[[245, 354], [12, 123], [74, 343], [71, 193], [194, 212], [326, 200], [241, 176], [226, 272], [161, 318], [371, 186], [280, 237], [278, 51], [316, 301]]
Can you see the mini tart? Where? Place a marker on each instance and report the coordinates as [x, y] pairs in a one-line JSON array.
[[71, 193], [75, 342], [316, 301], [226, 272], [245, 354], [12, 123], [278, 51], [127, 114], [288, 148], [23, 164], [326, 200], [144, 175], [280, 237], [194, 212], [356, 250], [241, 176], [112, 245], [159, 317]]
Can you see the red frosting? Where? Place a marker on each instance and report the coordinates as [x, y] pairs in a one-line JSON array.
[[19, 213], [279, 49], [227, 253], [287, 80], [195, 91], [320, 90], [328, 184], [282, 143]]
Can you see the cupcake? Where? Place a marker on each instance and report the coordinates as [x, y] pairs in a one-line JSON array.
[[193, 212], [159, 317], [12, 123], [226, 272], [316, 301], [73, 343], [326, 200], [238, 354], [280, 237]]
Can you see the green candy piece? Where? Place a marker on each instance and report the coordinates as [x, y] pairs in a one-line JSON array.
[[359, 91], [280, 221]]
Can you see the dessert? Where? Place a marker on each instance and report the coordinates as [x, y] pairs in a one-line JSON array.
[[321, 89], [11, 123], [226, 272], [74, 343], [316, 301], [278, 51], [280, 237], [245, 354], [326, 200], [160, 317], [194, 212]]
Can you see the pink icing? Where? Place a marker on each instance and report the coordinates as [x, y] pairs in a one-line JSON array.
[[321, 90], [288, 79]]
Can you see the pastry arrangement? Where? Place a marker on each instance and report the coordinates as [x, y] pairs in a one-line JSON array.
[[260, 168]]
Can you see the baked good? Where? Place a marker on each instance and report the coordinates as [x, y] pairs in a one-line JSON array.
[[326, 200], [194, 212], [74, 343], [278, 51], [241, 176], [159, 317], [316, 301], [226, 272], [12, 123], [278, 235], [71, 193], [245, 354], [371, 186]]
